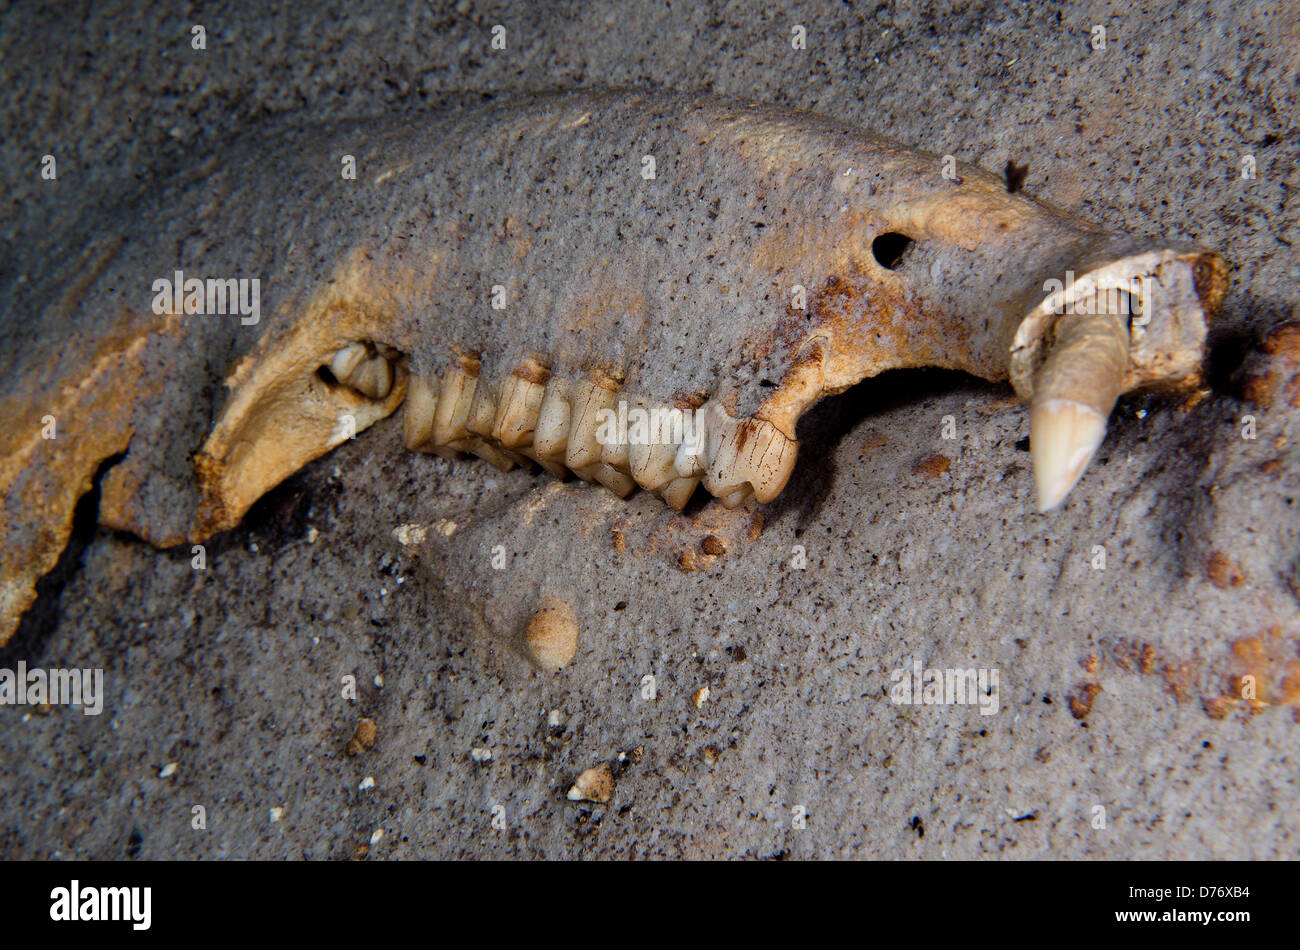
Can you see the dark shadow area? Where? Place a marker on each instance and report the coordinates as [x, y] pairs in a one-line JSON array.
[[822, 428], [41, 619]]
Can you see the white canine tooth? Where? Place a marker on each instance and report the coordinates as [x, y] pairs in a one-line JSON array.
[[678, 492], [1074, 392], [587, 399], [454, 401], [551, 435], [346, 360], [421, 404], [1063, 436], [521, 399]]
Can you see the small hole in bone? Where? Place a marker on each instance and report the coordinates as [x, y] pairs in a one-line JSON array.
[[889, 248]]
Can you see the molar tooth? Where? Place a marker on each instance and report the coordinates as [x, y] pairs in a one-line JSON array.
[[614, 438], [421, 404], [651, 461], [587, 399], [697, 448], [482, 410], [652, 465], [753, 455], [490, 453], [454, 401], [619, 483], [551, 434], [521, 399], [1074, 392], [555, 468], [678, 492], [737, 497]]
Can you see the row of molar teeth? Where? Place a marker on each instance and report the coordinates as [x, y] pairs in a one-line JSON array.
[[531, 416]]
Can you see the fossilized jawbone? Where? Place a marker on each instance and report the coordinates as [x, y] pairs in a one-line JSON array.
[[520, 275]]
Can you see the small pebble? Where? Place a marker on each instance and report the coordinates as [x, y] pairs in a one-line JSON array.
[[551, 634], [594, 785]]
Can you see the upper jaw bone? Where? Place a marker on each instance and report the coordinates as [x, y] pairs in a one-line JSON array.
[[1074, 392]]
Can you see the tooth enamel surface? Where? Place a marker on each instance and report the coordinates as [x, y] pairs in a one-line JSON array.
[[1063, 436], [482, 410], [614, 453], [346, 360], [421, 404], [619, 483], [454, 401], [551, 435], [1074, 392], [751, 455], [532, 417], [373, 378], [651, 466], [587, 400], [490, 454], [678, 492], [555, 468], [521, 399], [737, 498], [697, 449]]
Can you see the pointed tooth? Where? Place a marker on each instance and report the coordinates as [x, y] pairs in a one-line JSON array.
[[1074, 392], [678, 492], [521, 398], [454, 401], [589, 400], [1063, 437], [752, 454], [346, 360], [421, 404], [551, 435]]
